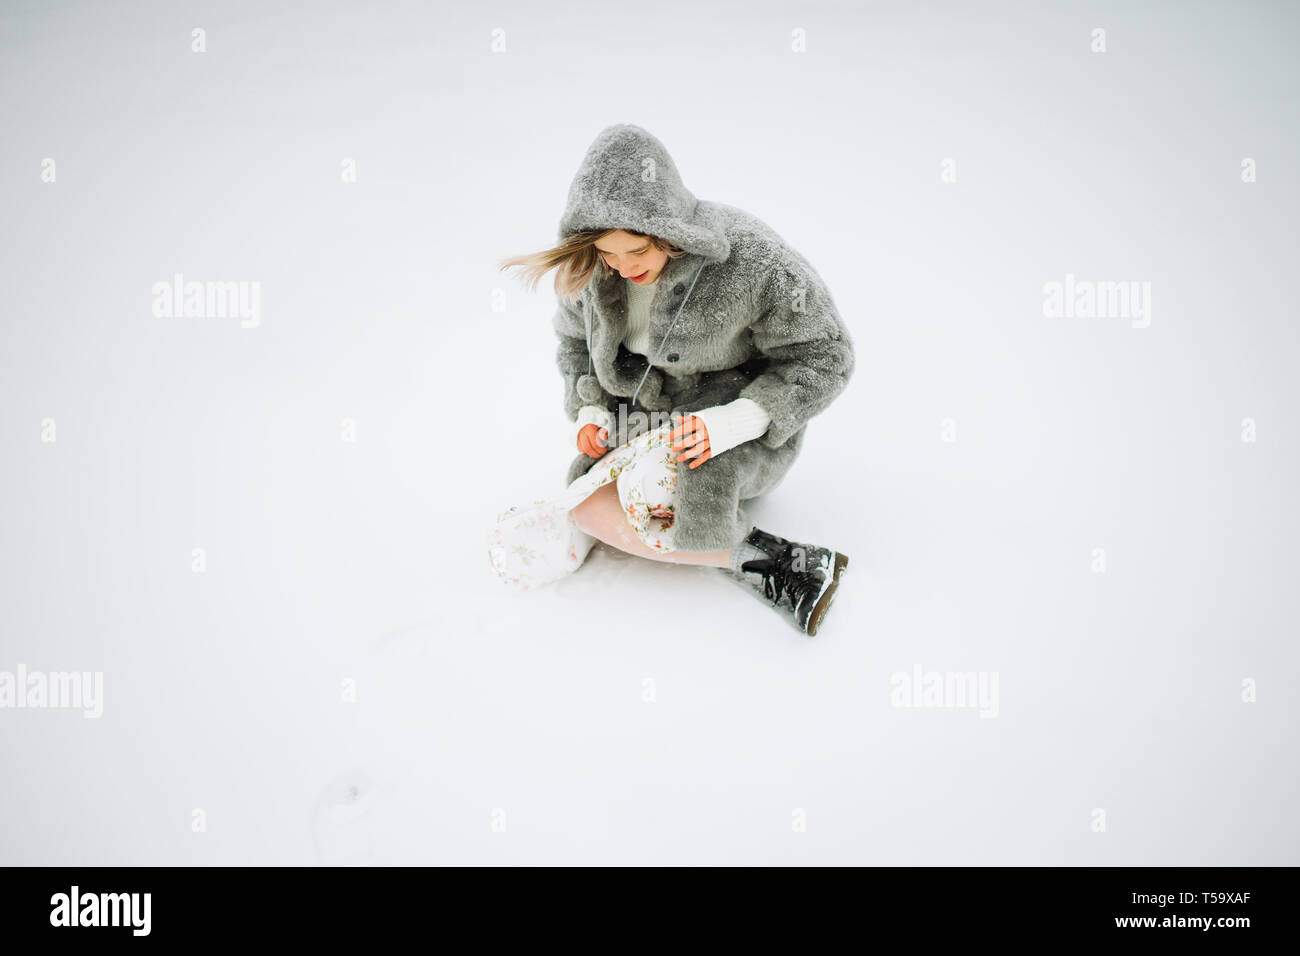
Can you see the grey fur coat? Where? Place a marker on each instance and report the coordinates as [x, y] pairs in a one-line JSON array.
[[758, 323]]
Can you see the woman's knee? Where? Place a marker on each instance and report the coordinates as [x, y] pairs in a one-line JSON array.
[[588, 513]]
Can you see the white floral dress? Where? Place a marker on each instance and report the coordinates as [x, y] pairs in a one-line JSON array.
[[535, 544]]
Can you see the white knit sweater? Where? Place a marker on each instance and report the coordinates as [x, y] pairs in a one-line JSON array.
[[727, 425]]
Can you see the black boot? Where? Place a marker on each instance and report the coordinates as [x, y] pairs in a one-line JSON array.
[[800, 578]]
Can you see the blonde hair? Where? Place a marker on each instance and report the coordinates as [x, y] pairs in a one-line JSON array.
[[575, 260]]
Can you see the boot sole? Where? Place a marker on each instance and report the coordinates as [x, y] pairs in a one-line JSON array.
[[824, 604]]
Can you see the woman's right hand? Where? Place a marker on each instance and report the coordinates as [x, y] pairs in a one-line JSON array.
[[591, 440]]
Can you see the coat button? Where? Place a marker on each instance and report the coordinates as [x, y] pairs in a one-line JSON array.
[[678, 289], [673, 356]]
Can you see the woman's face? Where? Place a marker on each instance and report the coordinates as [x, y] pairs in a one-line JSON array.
[[633, 257]]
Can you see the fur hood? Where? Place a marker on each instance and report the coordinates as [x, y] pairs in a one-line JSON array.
[[628, 181]]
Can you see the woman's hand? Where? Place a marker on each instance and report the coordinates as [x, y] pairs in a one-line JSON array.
[[694, 440], [591, 440]]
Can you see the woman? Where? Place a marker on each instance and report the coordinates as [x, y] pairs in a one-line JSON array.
[[691, 328]]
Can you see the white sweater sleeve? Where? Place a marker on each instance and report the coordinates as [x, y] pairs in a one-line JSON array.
[[593, 415], [729, 425]]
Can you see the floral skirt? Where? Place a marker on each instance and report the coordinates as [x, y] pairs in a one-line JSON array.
[[537, 543]]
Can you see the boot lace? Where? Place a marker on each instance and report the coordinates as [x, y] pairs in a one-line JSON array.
[[780, 577]]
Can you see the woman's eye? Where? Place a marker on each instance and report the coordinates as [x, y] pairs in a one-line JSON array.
[[609, 263]]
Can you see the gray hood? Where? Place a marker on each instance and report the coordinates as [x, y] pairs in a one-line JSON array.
[[628, 181]]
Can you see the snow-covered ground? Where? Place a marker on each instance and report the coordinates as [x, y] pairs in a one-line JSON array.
[[1063, 507]]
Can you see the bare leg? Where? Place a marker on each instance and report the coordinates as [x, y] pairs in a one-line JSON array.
[[601, 516]]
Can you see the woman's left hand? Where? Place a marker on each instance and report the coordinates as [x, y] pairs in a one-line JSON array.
[[692, 439]]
